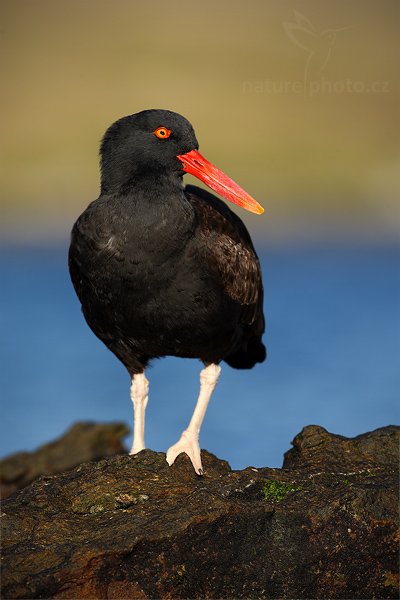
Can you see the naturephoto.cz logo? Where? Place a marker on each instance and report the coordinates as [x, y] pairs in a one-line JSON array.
[[318, 46]]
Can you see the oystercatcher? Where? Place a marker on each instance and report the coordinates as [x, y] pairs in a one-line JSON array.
[[162, 269]]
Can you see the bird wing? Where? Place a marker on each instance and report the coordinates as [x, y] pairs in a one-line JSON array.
[[230, 253]]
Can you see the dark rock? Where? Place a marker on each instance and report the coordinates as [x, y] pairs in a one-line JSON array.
[[82, 442], [132, 527], [316, 448]]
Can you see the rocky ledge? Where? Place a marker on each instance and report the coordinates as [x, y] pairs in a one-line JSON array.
[[82, 442], [323, 526]]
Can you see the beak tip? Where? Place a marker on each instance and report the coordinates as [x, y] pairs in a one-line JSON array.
[[258, 209]]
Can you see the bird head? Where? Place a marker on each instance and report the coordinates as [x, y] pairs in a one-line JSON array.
[[159, 143]]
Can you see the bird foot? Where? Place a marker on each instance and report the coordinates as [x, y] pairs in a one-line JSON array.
[[136, 448], [188, 443]]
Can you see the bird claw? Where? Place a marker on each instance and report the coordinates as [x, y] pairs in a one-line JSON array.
[[189, 444], [136, 448]]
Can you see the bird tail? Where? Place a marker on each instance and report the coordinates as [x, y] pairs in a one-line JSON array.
[[247, 357]]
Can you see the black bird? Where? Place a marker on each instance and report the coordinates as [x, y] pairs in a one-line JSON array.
[[162, 269]]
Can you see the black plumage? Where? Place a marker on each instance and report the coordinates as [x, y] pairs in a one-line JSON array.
[[161, 269]]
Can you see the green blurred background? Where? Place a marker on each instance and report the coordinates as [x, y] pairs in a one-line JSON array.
[[297, 101]]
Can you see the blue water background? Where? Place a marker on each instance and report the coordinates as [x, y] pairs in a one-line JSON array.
[[333, 338]]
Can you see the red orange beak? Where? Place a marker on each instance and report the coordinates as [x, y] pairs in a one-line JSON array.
[[195, 164]]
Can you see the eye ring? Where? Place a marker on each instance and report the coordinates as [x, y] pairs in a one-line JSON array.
[[162, 132]]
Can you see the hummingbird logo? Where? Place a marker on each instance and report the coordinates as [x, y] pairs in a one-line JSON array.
[[317, 44]]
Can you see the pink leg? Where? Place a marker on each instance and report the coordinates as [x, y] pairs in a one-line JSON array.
[[189, 440], [139, 397]]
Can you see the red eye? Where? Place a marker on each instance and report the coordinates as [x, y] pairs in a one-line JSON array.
[[162, 133]]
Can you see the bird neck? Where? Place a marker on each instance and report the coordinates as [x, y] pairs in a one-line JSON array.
[[153, 184], [121, 176], [155, 203]]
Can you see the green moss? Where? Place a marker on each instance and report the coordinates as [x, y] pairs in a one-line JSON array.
[[276, 491]]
